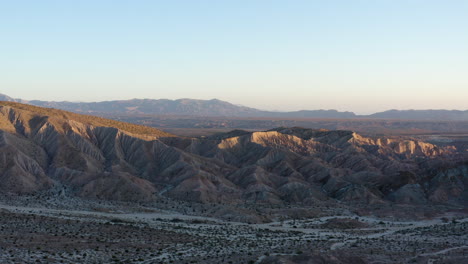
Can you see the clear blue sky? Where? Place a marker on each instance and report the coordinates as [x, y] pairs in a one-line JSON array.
[[362, 56]]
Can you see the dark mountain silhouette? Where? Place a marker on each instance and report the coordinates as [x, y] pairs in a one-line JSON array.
[[188, 107], [183, 107], [216, 108]]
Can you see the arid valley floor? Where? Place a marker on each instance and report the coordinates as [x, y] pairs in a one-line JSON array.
[[175, 232]]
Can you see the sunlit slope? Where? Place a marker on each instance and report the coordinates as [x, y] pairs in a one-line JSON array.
[[30, 117]]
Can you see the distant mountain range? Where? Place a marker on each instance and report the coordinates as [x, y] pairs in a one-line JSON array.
[[455, 115], [215, 107], [6, 98]]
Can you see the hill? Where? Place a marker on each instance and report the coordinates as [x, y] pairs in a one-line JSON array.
[[7, 98], [77, 155], [60, 118]]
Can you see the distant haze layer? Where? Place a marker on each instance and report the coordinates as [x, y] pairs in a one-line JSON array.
[[215, 107]]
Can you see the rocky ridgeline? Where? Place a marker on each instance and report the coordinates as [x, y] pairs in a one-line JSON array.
[[97, 158]]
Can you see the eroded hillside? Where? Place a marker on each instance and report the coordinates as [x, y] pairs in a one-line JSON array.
[[93, 157]]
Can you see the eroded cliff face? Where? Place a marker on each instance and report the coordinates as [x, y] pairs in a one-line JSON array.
[[307, 166], [20, 172], [102, 162], [40, 150]]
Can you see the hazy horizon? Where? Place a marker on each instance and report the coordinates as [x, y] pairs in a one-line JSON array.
[[250, 106], [359, 56]]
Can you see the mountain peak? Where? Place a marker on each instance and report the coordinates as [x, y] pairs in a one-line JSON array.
[[4, 97]]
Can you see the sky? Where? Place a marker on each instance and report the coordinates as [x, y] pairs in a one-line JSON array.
[[353, 55]]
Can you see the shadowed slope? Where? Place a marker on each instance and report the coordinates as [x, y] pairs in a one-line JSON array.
[[98, 158], [41, 146]]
